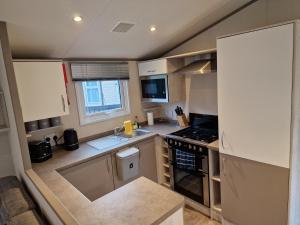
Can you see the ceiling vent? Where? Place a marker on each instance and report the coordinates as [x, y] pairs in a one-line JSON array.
[[122, 27]]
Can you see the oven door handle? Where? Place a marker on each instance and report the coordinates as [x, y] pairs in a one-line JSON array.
[[202, 171], [203, 174]]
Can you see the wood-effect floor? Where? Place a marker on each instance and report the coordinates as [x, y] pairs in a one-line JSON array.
[[193, 217]]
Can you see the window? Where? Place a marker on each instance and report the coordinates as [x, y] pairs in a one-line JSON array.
[[101, 100]]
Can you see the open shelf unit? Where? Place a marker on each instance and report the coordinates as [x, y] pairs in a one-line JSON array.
[[164, 154], [29, 134], [215, 185]]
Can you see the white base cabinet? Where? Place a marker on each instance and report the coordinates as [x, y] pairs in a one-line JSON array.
[[41, 89]]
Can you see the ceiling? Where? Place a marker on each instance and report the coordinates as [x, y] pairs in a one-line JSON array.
[[45, 29]]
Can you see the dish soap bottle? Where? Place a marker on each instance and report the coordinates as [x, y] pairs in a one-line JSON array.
[[136, 124]]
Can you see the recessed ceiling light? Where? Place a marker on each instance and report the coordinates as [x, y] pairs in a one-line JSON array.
[[77, 18], [152, 28]]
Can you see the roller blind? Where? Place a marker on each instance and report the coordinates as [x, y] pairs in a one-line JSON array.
[[100, 71]]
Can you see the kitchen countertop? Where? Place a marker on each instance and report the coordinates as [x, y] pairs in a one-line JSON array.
[[214, 145], [139, 202], [163, 128]]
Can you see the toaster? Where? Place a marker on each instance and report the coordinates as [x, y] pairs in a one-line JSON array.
[[39, 151]]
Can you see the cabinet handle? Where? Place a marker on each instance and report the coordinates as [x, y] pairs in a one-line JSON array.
[[151, 71], [222, 140], [139, 154], [63, 103], [107, 165]]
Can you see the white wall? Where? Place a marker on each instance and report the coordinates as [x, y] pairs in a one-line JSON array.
[[203, 94]]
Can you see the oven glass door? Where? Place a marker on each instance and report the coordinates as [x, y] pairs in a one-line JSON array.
[[154, 88], [188, 178]]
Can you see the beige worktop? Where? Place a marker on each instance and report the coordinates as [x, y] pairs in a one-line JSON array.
[[214, 145], [139, 202], [163, 128]]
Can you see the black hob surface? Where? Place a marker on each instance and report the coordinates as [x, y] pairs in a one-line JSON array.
[[202, 128], [203, 135]]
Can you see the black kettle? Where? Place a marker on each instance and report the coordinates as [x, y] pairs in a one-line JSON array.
[[71, 140]]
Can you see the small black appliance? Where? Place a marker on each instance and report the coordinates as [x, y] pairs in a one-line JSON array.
[[39, 151], [71, 140]]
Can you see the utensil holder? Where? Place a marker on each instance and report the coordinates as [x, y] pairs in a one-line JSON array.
[[182, 120]]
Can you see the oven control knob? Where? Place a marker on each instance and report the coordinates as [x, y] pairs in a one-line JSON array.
[[190, 146], [200, 149], [195, 147], [179, 144], [175, 142], [171, 141]]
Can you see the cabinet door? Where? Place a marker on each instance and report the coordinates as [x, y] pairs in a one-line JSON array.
[[254, 94], [93, 178], [153, 67], [148, 166], [253, 193], [41, 89]]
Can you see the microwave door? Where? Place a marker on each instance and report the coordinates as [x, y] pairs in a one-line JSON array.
[[155, 89]]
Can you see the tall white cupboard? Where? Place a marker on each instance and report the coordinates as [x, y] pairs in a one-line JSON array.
[[258, 108]]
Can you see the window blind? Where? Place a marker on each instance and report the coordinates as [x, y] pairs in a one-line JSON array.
[[99, 71]]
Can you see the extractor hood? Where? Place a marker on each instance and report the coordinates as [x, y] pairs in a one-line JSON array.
[[198, 67], [203, 64]]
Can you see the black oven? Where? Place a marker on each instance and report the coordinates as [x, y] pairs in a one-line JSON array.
[[189, 170], [155, 88]]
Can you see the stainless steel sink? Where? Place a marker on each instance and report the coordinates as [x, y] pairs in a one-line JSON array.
[[136, 133]]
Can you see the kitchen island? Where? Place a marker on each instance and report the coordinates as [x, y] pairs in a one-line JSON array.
[[141, 201]]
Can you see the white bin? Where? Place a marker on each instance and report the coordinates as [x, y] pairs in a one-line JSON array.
[[128, 163]]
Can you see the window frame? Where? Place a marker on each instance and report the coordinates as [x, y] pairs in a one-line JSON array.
[[86, 87], [85, 119]]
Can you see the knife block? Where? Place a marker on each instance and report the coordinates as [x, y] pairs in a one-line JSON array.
[[182, 121]]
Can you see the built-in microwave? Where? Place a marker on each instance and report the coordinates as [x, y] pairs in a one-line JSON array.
[[155, 88]]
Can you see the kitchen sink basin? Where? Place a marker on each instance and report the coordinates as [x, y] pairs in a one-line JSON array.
[[136, 133]]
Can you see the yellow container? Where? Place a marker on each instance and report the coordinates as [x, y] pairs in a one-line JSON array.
[[128, 127]]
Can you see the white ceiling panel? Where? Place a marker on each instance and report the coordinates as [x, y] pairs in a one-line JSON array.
[[45, 29]]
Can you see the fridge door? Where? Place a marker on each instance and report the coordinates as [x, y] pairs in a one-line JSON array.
[[253, 193]]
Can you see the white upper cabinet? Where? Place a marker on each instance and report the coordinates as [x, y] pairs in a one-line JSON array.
[[41, 89], [153, 67], [159, 66], [255, 73]]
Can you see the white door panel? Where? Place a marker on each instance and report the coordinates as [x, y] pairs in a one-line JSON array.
[[254, 94], [41, 89]]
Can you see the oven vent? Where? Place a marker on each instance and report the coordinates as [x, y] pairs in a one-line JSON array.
[[122, 27]]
